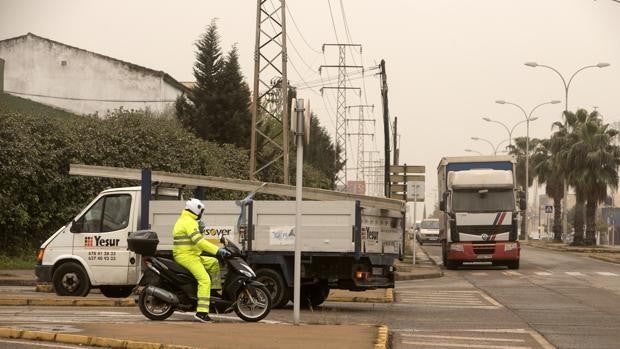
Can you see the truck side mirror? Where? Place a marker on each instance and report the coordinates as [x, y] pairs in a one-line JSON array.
[[77, 225]]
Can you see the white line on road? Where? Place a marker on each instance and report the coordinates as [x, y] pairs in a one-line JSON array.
[[606, 273], [55, 345], [543, 273], [512, 273], [465, 345], [574, 273], [487, 339]]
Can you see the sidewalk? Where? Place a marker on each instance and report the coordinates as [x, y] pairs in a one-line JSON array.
[[196, 335], [605, 253]]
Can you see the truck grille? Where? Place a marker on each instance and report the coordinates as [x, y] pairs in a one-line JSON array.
[[479, 230], [484, 248]]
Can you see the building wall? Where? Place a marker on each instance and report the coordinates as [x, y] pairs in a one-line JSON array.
[[84, 82]]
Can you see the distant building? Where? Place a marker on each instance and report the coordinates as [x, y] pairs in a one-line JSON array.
[[81, 81]]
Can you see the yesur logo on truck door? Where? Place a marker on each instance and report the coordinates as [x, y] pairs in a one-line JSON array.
[[100, 241]]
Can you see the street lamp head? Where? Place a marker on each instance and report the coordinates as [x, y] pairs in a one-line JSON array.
[[475, 138], [555, 101], [603, 65], [486, 119], [531, 64], [500, 101], [534, 118]]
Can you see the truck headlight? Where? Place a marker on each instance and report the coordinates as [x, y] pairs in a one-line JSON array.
[[509, 246], [457, 247]]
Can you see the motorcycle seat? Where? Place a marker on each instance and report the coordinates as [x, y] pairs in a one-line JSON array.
[[174, 266]]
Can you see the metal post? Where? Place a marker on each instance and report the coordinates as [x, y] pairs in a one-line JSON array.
[[415, 201], [299, 108], [386, 130], [1, 75], [145, 197]]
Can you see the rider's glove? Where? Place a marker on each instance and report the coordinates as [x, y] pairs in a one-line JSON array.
[[223, 253]]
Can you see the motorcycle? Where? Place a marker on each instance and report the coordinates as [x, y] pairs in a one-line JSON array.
[[166, 286]]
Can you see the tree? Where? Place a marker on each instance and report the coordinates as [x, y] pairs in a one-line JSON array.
[[518, 150], [321, 152], [594, 162], [233, 123], [548, 170]]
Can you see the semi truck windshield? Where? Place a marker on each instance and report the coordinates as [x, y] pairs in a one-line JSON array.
[[483, 200]]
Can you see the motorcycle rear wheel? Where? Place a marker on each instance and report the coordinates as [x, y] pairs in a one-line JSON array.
[[253, 303], [154, 308]]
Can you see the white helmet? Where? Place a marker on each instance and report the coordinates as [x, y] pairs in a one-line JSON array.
[[195, 206]]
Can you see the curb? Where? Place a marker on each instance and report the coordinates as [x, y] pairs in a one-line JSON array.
[[124, 302], [412, 276], [605, 259], [382, 337], [6, 332], [17, 282]]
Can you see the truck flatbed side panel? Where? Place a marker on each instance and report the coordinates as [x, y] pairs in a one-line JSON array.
[[326, 226], [381, 231]]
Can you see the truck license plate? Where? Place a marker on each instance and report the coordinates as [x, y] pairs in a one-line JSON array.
[[377, 271], [484, 256]]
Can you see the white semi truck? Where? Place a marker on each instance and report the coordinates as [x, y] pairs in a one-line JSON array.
[[479, 205], [349, 241]]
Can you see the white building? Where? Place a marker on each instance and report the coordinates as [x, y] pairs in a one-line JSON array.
[[81, 81]]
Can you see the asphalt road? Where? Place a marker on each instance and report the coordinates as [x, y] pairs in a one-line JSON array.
[[556, 299]]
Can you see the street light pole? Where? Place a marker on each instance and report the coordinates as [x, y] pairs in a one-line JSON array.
[[488, 141], [509, 130], [566, 87], [528, 118]]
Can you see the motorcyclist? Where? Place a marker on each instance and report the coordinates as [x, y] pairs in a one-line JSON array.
[[188, 245]]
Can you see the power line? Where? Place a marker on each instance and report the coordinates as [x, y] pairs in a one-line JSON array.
[[331, 15], [95, 99], [299, 31]]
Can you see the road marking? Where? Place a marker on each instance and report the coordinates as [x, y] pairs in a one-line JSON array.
[[606, 273], [574, 273], [543, 273], [452, 345], [55, 345], [479, 273], [512, 273], [447, 299], [488, 339]]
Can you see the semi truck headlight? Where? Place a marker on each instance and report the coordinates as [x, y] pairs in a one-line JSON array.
[[40, 255], [510, 246], [457, 247]]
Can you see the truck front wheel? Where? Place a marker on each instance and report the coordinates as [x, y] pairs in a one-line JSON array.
[[276, 285], [513, 264], [70, 279]]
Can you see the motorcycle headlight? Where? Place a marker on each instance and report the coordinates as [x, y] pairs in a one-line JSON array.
[[509, 246], [457, 247]]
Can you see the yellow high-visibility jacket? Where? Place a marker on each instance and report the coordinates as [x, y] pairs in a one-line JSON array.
[[187, 239]]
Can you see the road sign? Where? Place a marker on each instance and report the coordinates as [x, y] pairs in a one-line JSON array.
[[415, 189], [548, 208]]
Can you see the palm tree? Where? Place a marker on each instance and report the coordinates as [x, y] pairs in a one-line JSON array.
[[594, 161], [562, 141], [518, 149], [546, 167]]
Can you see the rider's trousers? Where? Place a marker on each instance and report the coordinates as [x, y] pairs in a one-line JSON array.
[[206, 270]]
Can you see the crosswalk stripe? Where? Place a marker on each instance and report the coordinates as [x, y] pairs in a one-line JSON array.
[[606, 273], [453, 345], [512, 273], [543, 273], [484, 339], [574, 273], [479, 273]]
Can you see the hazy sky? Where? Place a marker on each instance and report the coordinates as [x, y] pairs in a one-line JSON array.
[[447, 60]]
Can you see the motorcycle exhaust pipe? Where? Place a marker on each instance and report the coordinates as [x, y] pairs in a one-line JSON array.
[[162, 294]]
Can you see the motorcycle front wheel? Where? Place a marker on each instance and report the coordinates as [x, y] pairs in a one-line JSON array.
[[253, 303], [154, 308]]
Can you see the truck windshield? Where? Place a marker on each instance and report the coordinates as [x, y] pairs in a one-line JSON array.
[[430, 224], [489, 201]]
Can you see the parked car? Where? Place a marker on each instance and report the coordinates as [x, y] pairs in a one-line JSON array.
[[428, 231]]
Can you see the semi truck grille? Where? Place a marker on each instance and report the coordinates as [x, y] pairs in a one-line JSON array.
[[479, 230], [484, 248]]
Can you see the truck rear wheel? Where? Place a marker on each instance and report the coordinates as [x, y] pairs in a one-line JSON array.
[[452, 265], [313, 295], [276, 285], [513, 264], [70, 279]]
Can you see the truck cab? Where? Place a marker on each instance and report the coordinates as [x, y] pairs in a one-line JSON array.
[[480, 209]]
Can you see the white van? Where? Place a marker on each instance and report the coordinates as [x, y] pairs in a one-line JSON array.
[[428, 231]]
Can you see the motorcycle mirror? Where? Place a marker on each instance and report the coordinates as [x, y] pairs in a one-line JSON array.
[[223, 240]]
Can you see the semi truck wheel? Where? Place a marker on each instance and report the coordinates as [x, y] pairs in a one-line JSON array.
[[313, 295], [276, 285], [70, 279], [513, 264]]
